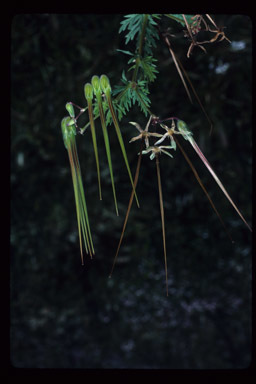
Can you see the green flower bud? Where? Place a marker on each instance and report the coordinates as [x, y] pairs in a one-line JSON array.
[[105, 84], [70, 109], [88, 91], [96, 84]]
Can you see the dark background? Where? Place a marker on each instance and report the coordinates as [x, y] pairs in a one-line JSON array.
[[64, 315]]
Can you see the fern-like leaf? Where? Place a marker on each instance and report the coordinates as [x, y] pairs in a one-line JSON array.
[[179, 18], [149, 68], [151, 35], [132, 24]]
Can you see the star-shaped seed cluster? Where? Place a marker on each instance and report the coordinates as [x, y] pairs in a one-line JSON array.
[[156, 148]]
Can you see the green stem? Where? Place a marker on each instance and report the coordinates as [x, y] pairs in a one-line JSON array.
[[122, 93], [107, 146], [121, 142], [142, 35], [74, 179], [85, 217], [94, 140]]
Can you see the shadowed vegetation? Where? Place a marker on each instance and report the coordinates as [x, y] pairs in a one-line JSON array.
[[64, 315]]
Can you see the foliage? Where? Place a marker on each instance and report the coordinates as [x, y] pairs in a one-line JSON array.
[[141, 27], [67, 316]]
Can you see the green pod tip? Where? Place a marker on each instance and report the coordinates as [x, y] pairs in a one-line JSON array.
[[67, 130], [96, 84], [70, 109], [64, 129], [88, 91], [181, 125], [183, 128], [105, 84]]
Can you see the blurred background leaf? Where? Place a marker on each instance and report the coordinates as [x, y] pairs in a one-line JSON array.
[[64, 315]]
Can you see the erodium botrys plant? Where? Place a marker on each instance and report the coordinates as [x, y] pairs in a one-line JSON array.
[[108, 106]]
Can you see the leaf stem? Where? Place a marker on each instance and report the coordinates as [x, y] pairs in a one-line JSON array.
[[142, 35]]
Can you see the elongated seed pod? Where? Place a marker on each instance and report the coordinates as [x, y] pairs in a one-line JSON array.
[[182, 127], [106, 88], [69, 133], [97, 91], [88, 92]]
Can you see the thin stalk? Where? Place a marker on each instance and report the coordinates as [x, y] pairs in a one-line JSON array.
[[94, 140], [108, 152], [129, 207], [69, 133], [142, 35], [188, 27], [120, 95], [208, 166], [202, 186], [121, 142], [82, 216], [177, 67], [75, 186], [162, 217], [195, 93], [82, 208], [82, 130], [83, 203]]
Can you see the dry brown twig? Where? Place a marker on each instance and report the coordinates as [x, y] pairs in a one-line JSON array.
[[194, 29]]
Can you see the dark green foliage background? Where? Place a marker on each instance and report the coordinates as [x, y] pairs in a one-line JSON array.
[[64, 315]]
